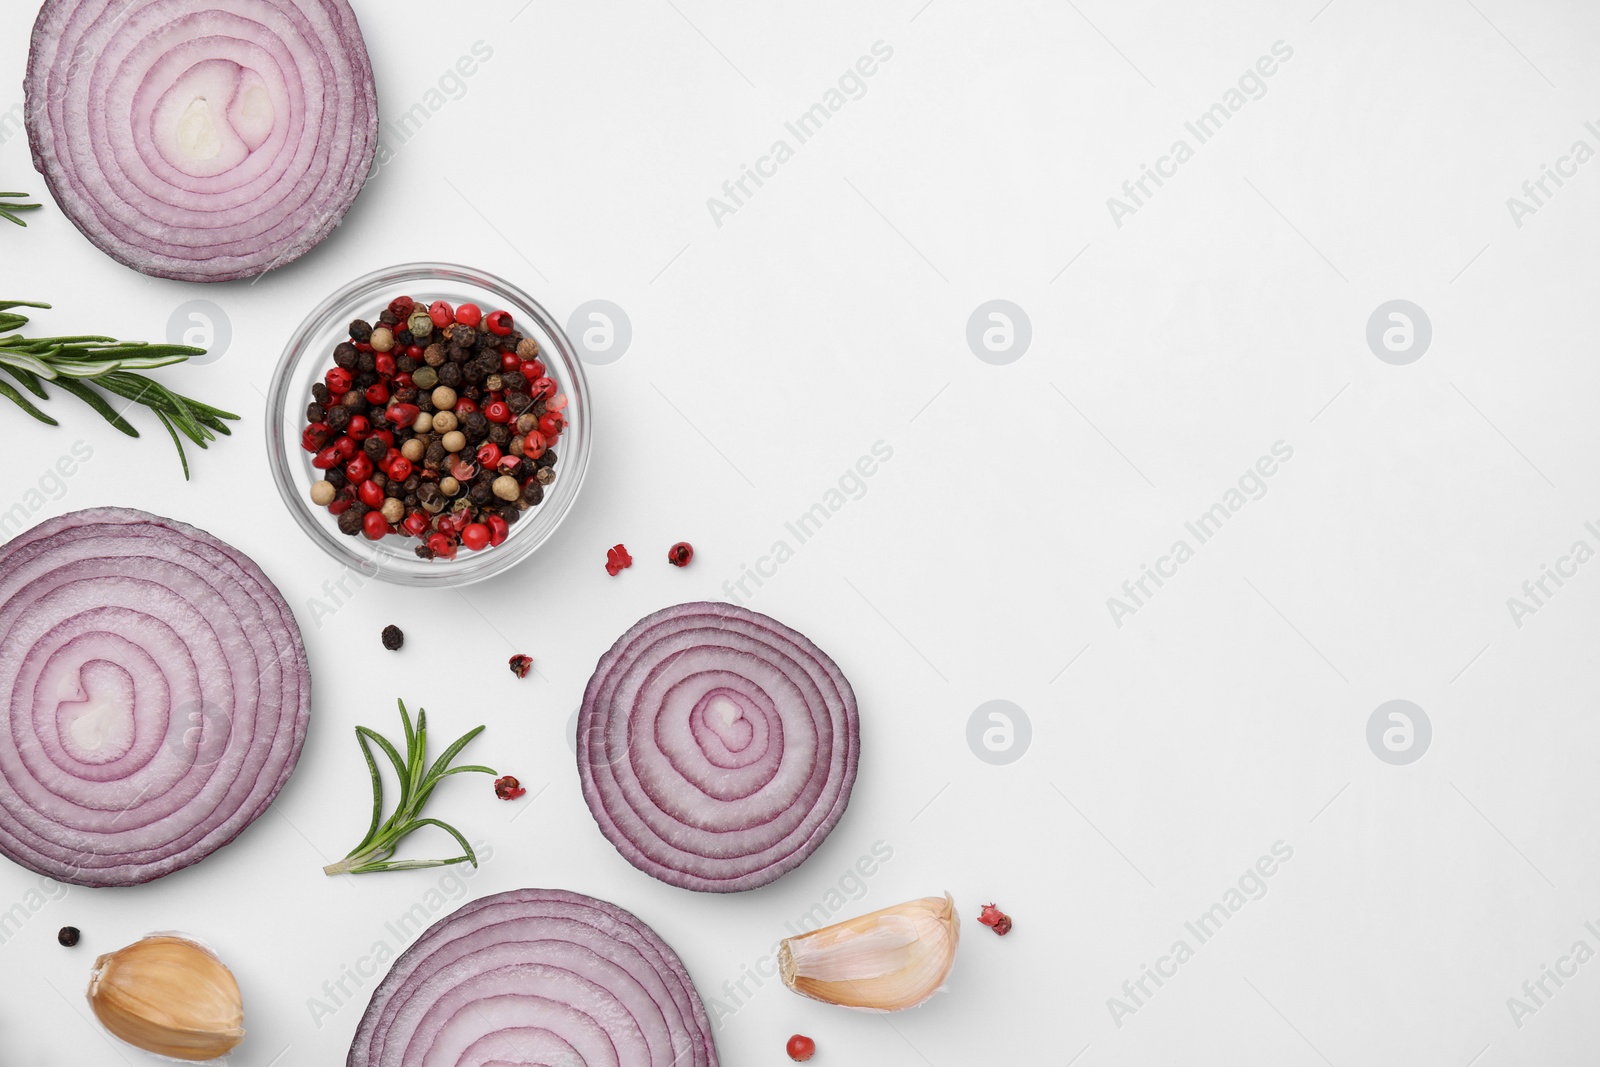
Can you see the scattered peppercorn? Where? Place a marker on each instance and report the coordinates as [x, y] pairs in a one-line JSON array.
[[508, 788], [680, 554], [617, 560], [993, 917], [800, 1048], [521, 665], [68, 936], [393, 638]]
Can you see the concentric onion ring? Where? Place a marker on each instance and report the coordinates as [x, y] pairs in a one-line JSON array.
[[156, 696], [536, 976], [716, 746], [203, 140]]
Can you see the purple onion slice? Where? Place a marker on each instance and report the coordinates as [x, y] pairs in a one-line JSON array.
[[156, 696], [536, 976], [203, 140], [716, 746]]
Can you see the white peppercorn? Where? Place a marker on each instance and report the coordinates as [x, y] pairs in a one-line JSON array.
[[322, 493]]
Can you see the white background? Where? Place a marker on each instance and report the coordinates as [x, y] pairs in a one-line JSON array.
[[829, 313]]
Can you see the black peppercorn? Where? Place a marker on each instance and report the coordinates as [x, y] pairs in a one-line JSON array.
[[337, 417], [346, 355], [424, 552], [405, 364], [514, 380], [404, 396], [68, 936], [518, 402], [473, 372], [464, 336], [532, 493], [510, 513], [481, 494], [374, 448], [411, 501], [354, 402], [314, 412], [404, 338], [335, 477], [350, 520], [366, 378], [367, 361], [431, 497], [546, 460], [499, 434], [389, 318], [321, 393], [475, 425], [450, 375], [544, 476], [393, 638], [434, 456]]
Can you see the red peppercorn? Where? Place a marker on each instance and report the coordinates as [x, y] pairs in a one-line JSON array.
[[508, 788], [463, 470], [497, 411], [363, 346], [369, 492], [469, 315], [401, 307], [533, 444], [337, 380], [415, 523], [508, 463], [465, 406], [327, 459], [800, 1048], [374, 526], [532, 369], [402, 414], [509, 362], [441, 313], [441, 546], [315, 437], [521, 665], [617, 560], [680, 554], [551, 424], [475, 536], [542, 387], [386, 436], [383, 363], [339, 506], [499, 530], [345, 447], [399, 469], [377, 393], [403, 381], [414, 351], [499, 323], [359, 469], [489, 454], [992, 916], [557, 402], [358, 427]]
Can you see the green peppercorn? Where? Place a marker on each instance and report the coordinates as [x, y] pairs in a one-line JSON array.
[[425, 378], [420, 325]]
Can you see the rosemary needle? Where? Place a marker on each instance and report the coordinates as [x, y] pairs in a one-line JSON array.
[[75, 362], [417, 782], [9, 211]]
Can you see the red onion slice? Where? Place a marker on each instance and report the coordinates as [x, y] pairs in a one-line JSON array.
[[716, 746], [203, 140], [536, 976], [156, 696]]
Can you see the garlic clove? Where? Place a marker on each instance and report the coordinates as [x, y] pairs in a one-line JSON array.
[[168, 995], [888, 960]]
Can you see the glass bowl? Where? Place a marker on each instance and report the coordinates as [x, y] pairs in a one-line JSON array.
[[309, 355]]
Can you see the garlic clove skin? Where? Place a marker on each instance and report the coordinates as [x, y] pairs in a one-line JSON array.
[[168, 995], [888, 960]]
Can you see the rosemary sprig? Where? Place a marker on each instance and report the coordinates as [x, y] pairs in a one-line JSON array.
[[417, 782], [113, 365], [9, 211]]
